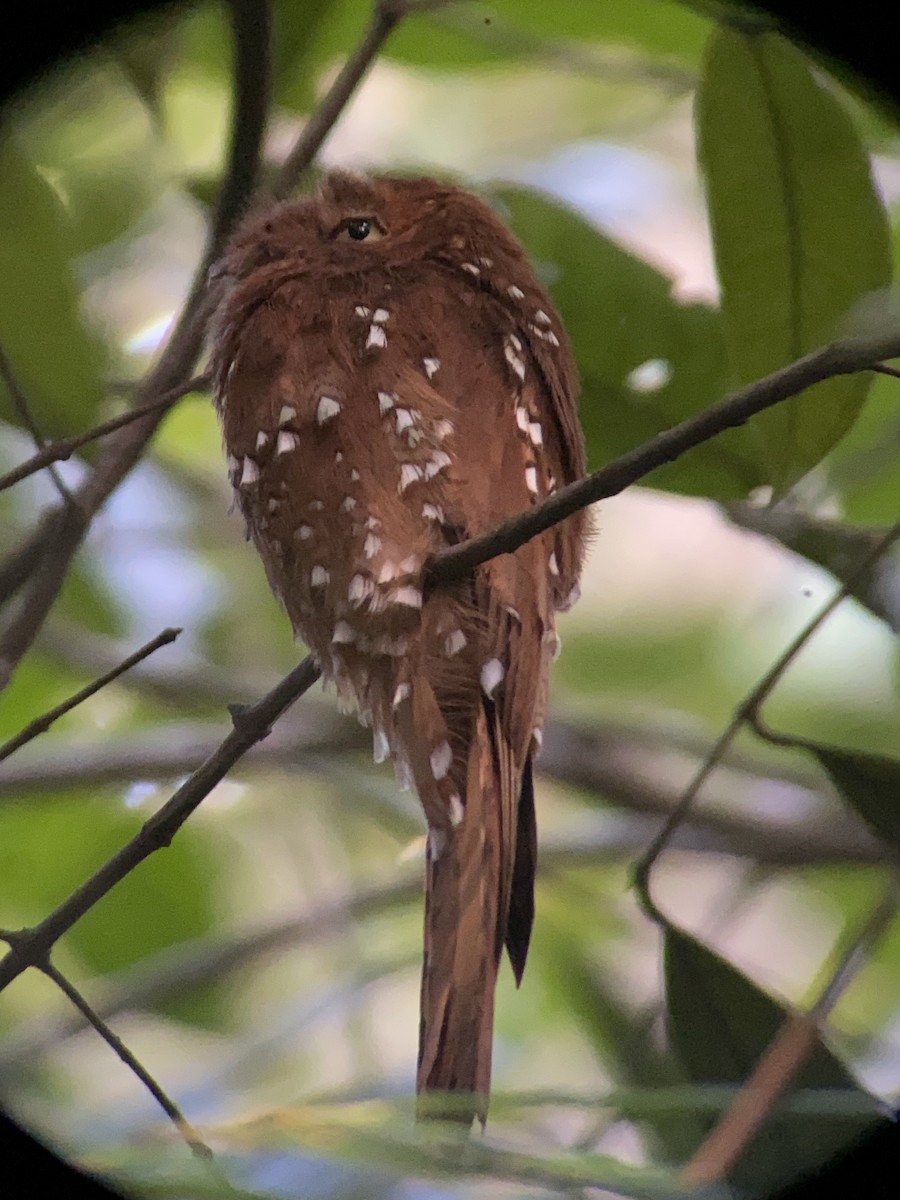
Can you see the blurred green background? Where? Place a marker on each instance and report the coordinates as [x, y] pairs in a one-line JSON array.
[[706, 204]]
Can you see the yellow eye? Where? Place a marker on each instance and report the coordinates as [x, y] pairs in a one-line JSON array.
[[359, 229]]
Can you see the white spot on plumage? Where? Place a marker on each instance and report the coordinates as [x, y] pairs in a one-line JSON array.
[[348, 503], [262, 439], [514, 361], [433, 512], [486, 262], [304, 533], [381, 747], [541, 317], [409, 564], [573, 597], [339, 456], [409, 597], [380, 315], [515, 342], [471, 268], [437, 842], [515, 293], [328, 407], [361, 310], [386, 401], [274, 504], [522, 418], [372, 523], [354, 476], [531, 479], [436, 463], [443, 429], [393, 647], [316, 506], [536, 433], [377, 337], [441, 758], [457, 812], [389, 571], [454, 642], [287, 414], [372, 545], [360, 587], [551, 638], [409, 474], [343, 634], [401, 694], [491, 675], [537, 735], [404, 419], [554, 565], [431, 365], [287, 442], [318, 576], [250, 473], [233, 464]]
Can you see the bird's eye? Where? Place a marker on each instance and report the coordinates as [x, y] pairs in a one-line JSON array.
[[358, 229]]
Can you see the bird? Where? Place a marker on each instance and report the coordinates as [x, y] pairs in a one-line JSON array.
[[392, 379]]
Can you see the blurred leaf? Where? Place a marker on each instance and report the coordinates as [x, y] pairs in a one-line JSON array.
[[57, 363], [870, 784], [798, 228], [720, 1023], [620, 315], [145, 53], [51, 845]]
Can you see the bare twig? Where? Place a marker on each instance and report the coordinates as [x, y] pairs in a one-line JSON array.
[[746, 713], [32, 946], [64, 448], [23, 408], [778, 1066], [884, 369], [42, 723], [844, 357], [172, 1111], [386, 15]]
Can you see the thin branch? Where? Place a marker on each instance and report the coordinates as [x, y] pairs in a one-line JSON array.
[[172, 1111], [42, 723], [790, 1049], [746, 712], [884, 369], [64, 448], [844, 357], [32, 946], [386, 15], [20, 401]]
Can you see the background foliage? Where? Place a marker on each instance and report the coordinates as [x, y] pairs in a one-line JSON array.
[[265, 966]]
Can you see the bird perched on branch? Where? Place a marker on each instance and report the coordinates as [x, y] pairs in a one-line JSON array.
[[392, 379]]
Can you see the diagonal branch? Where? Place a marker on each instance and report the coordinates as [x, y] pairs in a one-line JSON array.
[[31, 947], [42, 723], [64, 448], [169, 1107], [844, 357], [8, 375]]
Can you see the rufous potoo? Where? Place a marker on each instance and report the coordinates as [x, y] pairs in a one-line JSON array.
[[391, 379]]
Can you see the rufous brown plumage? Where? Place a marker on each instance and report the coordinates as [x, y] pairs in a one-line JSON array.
[[391, 379]]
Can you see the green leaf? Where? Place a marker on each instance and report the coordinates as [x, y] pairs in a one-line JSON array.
[[57, 363], [720, 1023], [799, 231], [620, 314], [870, 783]]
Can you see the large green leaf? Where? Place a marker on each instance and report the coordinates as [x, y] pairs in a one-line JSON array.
[[720, 1023], [57, 363], [799, 231], [620, 314]]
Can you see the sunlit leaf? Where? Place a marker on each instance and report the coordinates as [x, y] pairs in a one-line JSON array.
[[719, 1024], [798, 228]]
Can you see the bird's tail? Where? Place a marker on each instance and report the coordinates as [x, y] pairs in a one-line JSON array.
[[479, 894]]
